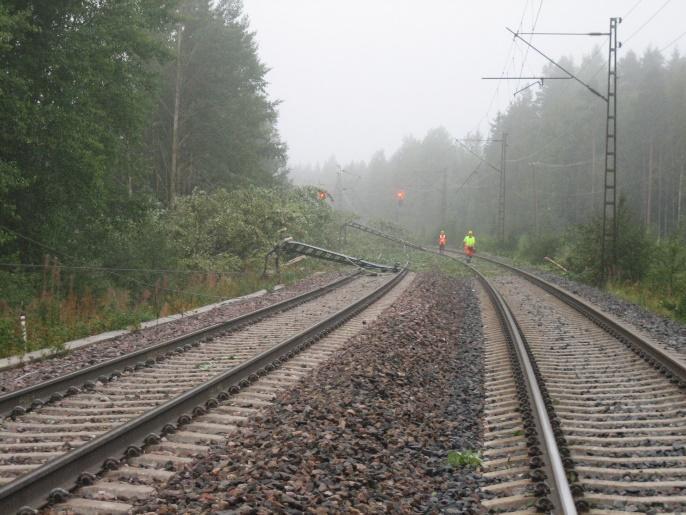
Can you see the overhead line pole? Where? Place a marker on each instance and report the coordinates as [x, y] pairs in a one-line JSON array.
[[501, 172], [610, 191], [571, 75], [608, 253]]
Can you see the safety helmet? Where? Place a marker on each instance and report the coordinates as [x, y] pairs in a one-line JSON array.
[[442, 232], [470, 233]]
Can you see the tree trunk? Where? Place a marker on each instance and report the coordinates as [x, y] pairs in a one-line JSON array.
[[660, 200], [535, 199], [444, 200], [594, 203], [173, 172], [650, 184], [678, 201]]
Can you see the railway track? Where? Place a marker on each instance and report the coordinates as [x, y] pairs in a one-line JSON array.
[[616, 404], [71, 429]]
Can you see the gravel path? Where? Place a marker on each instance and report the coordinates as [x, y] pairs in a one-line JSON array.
[[370, 431], [38, 371]]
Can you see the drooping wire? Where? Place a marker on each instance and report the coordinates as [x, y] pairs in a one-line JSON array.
[[113, 269], [112, 272]]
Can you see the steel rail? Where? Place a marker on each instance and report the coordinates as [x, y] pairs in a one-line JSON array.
[[560, 492], [46, 482], [59, 387], [672, 367]]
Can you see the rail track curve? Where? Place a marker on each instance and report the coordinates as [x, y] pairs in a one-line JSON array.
[[616, 402], [81, 426]]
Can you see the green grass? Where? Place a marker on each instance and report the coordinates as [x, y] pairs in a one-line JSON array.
[[657, 301], [59, 313], [376, 249], [459, 459]]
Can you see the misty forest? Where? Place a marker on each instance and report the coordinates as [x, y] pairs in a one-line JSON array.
[[144, 174]]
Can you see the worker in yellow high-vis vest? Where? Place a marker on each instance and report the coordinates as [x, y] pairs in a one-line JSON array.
[[469, 245]]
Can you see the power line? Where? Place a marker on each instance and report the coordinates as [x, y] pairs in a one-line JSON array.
[[478, 156], [562, 34], [672, 42], [647, 21], [51, 249], [526, 53], [126, 278], [562, 165], [505, 65], [590, 88], [474, 172], [113, 269], [632, 8]]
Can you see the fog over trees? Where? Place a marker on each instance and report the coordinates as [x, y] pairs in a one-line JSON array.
[[555, 159], [139, 146]]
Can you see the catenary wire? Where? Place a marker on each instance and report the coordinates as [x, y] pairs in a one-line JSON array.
[[502, 74], [121, 276], [639, 29], [526, 51], [632, 9], [672, 42]]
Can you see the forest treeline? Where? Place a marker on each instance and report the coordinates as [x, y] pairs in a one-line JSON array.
[[554, 169], [555, 159], [141, 172], [109, 109]]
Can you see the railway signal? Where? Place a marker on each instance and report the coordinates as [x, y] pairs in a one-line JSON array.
[[322, 195], [400, 196]]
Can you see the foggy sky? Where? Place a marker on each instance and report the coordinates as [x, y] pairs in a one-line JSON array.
[[356, 76]]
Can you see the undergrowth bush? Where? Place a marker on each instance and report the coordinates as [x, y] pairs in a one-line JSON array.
[[534, 248], [581, 252], [208, 247]]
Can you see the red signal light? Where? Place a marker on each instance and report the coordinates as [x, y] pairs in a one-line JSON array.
[[321, 195], [400, 195]]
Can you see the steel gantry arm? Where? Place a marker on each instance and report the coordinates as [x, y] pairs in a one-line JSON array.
[[291, 247]]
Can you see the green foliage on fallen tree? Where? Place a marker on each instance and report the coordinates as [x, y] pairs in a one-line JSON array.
[[232, 229]]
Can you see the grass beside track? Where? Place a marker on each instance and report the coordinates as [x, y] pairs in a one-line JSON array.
[[377, 249], [59, 314]]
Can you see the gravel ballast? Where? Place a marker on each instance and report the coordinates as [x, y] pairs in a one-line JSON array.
[[34, 372], [369, 431], [670, 333]]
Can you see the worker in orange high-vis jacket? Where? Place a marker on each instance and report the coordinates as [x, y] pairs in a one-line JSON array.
[[442, 240], [469, 245]]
